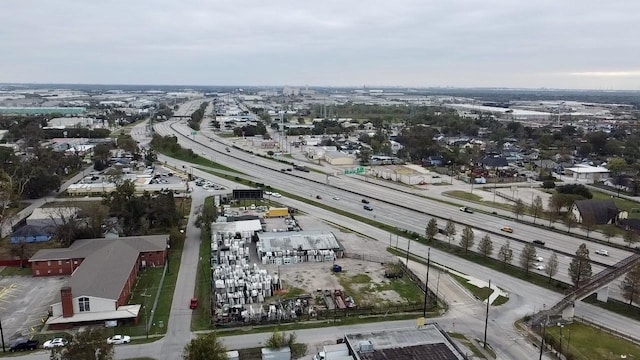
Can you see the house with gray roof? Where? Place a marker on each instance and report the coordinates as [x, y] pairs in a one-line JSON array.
[[598, 212], [103, 273]]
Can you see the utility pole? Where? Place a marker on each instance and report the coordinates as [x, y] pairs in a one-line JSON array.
[[561, 326], [542, 341], [408, 246], [426, 284], [486, 320], [2, 336]]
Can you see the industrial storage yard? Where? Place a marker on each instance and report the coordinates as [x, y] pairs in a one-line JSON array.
[[260, 276]]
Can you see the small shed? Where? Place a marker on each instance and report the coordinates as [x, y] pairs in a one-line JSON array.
[[276, 354]]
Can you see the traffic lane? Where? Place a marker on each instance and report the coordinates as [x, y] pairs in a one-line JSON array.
[[418, 202]]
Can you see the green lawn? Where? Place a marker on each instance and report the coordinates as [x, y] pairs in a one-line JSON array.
[[621, 203], [479, 293], [16, 271], [362, 290], [584, 342], [185, 155]]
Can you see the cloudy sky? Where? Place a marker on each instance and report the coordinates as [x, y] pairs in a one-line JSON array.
[[589, 44]]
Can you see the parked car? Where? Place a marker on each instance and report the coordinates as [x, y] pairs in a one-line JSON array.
[[368, 208], [55, 342], [538, 242], [119, 339], [507, 229], [466, 209], [365, 201], [602, 252], [23, 343]]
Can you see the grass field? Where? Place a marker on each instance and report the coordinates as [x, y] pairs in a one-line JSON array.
[[584, 342]]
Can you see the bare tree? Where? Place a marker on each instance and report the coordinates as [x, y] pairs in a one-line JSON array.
[[552, 266], [527, 257], [505, 254], [467, 239], [485, 247], [518, 208], [630, 237], [580, 266], [536, 207], [631, 285], [570, 220], [450, 229]]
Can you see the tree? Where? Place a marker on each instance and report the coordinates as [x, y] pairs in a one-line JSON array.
[[432, 229], [617, 166], [485, 247], [89, 344], [450, 230], [552, 266], [207, 347], [467, 239], [609, 232], [588, 221], [518, 208], [505, 254], [580, 266], [279, 340], [570, 220], [536, 207], [527, 257], [630, 237], [631, 285]]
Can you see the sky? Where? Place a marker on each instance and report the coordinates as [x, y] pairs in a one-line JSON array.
[[568, 44]]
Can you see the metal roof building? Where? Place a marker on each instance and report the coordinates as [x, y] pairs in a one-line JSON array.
[[428, 342]]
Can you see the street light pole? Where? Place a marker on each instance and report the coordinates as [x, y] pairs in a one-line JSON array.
[[561, 326], [408, 246], [426, 284], [542, 341], [486, 319]]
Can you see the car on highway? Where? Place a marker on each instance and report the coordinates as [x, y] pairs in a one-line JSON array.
[[539, 267], [119, 339], [466, 209], [507, 229], [368, 208], [538, 242], [276, 195], [55, 342], [365, 201], [539, 258], [193, 303], [318, 197], [336, 198], [602, 252], [268, 193]]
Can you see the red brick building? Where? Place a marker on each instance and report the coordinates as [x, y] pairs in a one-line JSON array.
[[103, 273]]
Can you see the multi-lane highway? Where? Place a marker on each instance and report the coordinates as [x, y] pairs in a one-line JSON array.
[[397, 208], [408, 211]]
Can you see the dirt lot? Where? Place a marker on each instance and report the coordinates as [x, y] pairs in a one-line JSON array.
[[363, 280], [24, 301]]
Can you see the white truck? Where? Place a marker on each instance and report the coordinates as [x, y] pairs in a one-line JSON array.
[[333, 352]]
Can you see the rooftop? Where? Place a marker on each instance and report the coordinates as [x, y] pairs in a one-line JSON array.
[[429, 342], [298, 240]]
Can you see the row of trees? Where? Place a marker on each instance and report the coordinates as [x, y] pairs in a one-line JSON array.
[[197, 116]]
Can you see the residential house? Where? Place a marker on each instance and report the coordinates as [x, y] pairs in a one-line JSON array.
[[600, 212]]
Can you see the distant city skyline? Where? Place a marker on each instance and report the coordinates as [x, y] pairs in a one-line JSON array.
[[458, 43]]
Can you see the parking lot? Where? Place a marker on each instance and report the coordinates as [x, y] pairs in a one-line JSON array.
[[24, 302]]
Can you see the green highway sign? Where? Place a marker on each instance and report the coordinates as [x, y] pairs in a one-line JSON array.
[[358, 170]]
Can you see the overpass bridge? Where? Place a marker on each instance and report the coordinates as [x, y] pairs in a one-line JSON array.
[[598, 283]]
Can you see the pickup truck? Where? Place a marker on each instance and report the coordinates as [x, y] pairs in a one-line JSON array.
[[22, 343]]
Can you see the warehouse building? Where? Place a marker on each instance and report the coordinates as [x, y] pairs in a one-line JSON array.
[[292, 247], [427, 342]]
